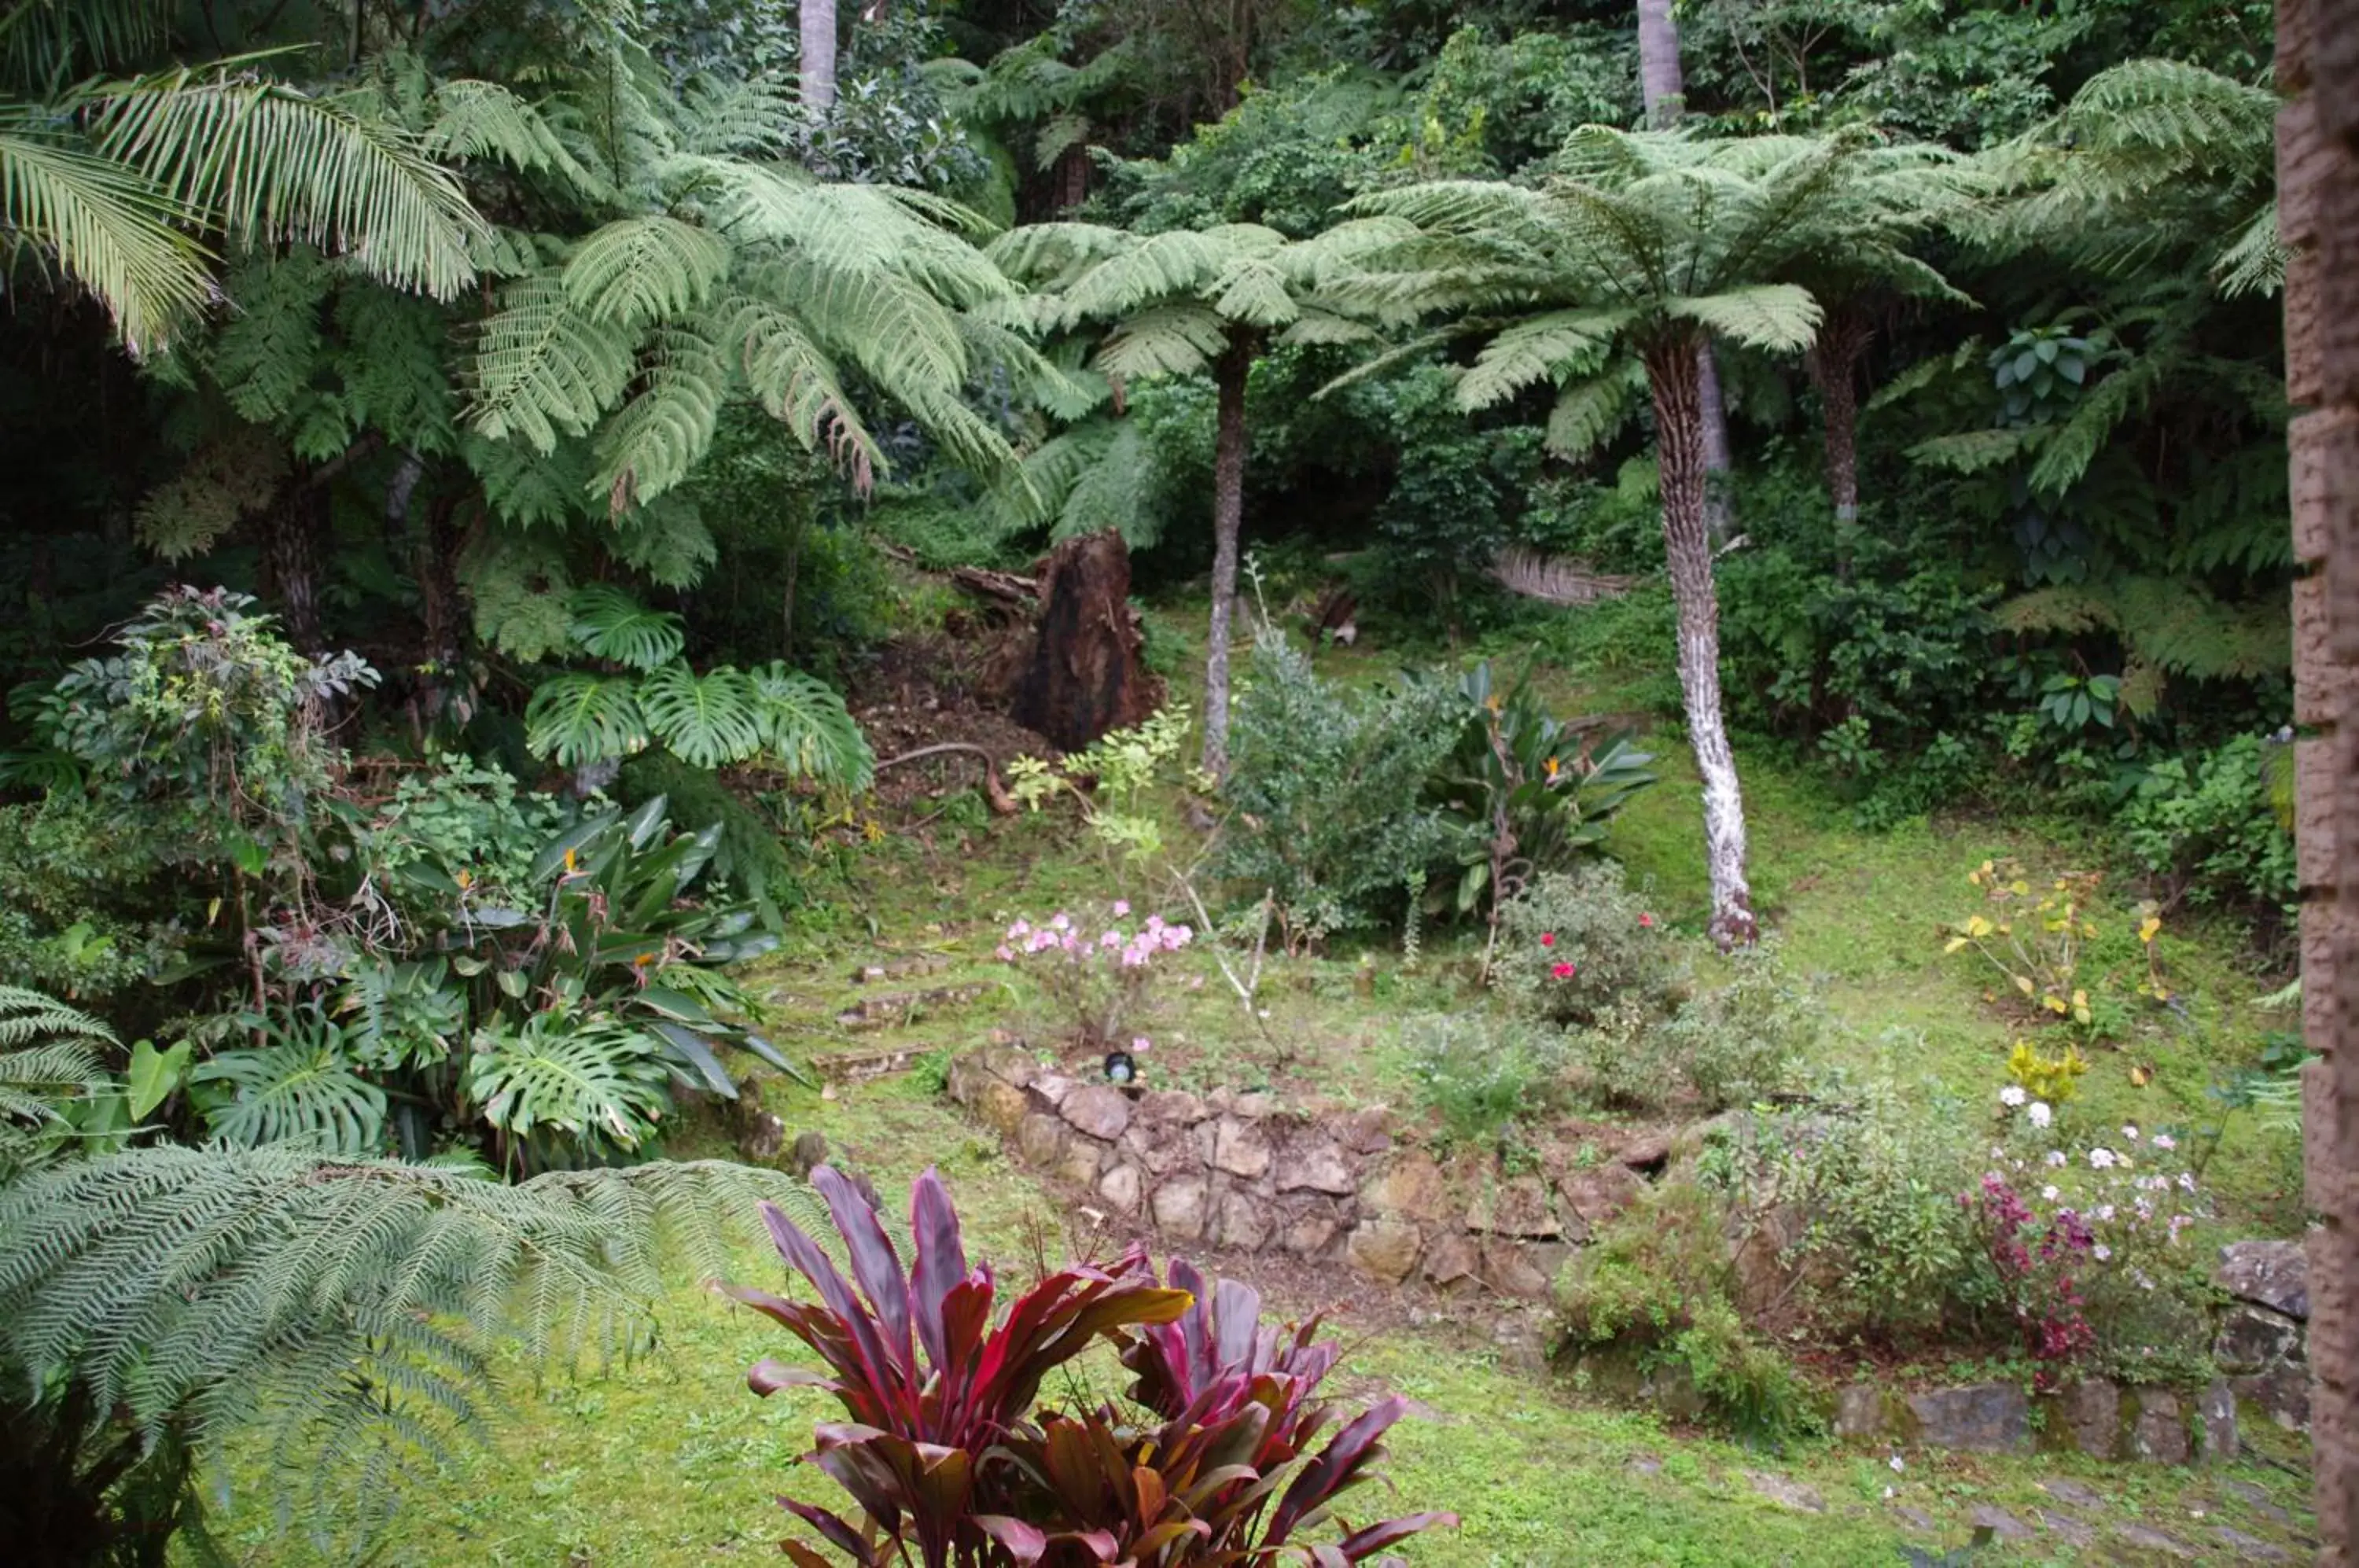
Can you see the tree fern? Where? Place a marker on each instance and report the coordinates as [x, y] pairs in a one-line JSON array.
[[609, 624], [297, 1088], [635, 270], [48, 1055], [343, 1309]]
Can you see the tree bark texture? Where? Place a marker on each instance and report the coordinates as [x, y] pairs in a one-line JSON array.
[[1228, 520], [292, 532], [817, 61], [2317, 182], [1086, 674], [1671, 372], [1834, 369], [1662, 87]]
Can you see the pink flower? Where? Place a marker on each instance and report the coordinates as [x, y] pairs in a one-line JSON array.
[[1121, 908], [1547, 939], [1006, 954], [1060, 922], [1021, 929], [1646, 920], [2164, 1140], [1140, 1043], [1112, 938], [1562, 970]]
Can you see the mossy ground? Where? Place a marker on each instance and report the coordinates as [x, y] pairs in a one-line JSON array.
[[669, 1459]]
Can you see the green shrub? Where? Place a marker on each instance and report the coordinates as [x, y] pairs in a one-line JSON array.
[[86, 911], [2213, 828], [1743, 1041], [1619, 1052], [1328, 793], [1573, 942], [1478, 1077]]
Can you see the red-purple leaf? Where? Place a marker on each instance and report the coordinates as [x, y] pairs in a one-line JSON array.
[[939, 1268], [1335, 1467], [835, 1531], [767, 1377], [874, 1367], [1023, 1543], [873, 1263], [1376, 1537]]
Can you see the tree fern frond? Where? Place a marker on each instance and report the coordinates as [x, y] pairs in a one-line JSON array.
[[1118, 491], [1971, 452], [653, 442], [471, 119], [542, 368], [1780, 317], [1549, 346], [275, 164], [1590, 413], [1169, 340], [610, 624], [575, 719], [797, 381], [2066, 454], [806, 727], [635, 270]]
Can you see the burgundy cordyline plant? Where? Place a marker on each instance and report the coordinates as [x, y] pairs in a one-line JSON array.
[[953, 1468]]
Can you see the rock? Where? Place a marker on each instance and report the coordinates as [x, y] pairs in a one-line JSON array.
[[2282, 1394], [1411, 1186], [1162, 1146], [2066, 1527], [2147, 1540], [1517, 1207], [1310, 1232], [1041, 1140], [1787, 1493], [1100, 1110], [1986, 1418], [1649, 1151], [1315, 1168], [1254, 1106], [1368, 1131], [1859, 1410], [999, 1106], [2273, 1273], [1510, 1271], [1915, 1518], [1601, 1192], [1245, 1224], [1178, 1208], [2215, 1438], [1241, 1148], [1452, 1260], [2093, 1412], [1172, 1106], [1642, 1465], [1998, 1521], [2072, 1492], [1081, 1163], [1120, 1187], [1009, 1065], [1384, 1248], [2249, 1548], [764, 1138], [2160, 1434], [2254, 1339], [1054, 1087], [2258, 1500]]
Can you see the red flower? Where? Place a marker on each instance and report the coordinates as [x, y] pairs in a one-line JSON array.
[[1562, 970], [1647, 919], [1547, 939]]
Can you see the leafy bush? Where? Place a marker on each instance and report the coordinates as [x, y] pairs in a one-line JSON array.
[[1480, 1078], [1328, 793], [1098, 977], [947, 1450], [2215, 827], [1737, 1043], [1575, 941], [88, 912]]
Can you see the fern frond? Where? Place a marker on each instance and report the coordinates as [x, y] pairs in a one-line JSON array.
[[635, 270], [610, 624], [542, 368], [1779, 317], [1590, 413], [655, 440], [28, 1017], [1169, 340], [1549, 347]]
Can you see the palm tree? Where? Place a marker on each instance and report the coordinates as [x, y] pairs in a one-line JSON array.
[[1655, 241], [1183, 303]]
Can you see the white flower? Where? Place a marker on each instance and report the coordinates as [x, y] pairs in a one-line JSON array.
[[2129, 1135], [2050, 1194], [2012, 1094], [2101, 1252], [2164, 1140], [2102, 1159], [2055, 1157], [2040, 1113], [1896, 1467], [2187, 1181], [2105, 1212]]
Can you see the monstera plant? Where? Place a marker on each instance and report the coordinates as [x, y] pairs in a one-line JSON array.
[[951, 1465]]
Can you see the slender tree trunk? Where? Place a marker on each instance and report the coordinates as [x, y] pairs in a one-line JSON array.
[[1672, 374], [1228, 518], [1662, 87], [817, 61], [291, 532], [2317, 164], [1834, 369]]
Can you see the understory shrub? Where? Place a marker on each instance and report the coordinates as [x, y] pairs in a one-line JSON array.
[[1328, 793], [1657, 1285], [1744, 1039], [2216, 827], [1479, 1077], [1575, 941], [87, 911]]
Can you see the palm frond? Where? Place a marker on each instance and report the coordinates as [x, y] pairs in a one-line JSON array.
[[115, 232]]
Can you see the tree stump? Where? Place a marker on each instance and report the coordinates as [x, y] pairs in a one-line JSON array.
[[1086, 676]]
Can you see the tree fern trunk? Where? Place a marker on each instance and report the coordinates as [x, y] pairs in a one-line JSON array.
[[1228, 518], [818, 58], [291, 532], [1834, 367], [1672, 373], [2318, 160]]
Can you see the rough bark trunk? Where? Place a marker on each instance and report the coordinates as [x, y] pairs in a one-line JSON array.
[[1228, 518], [1662, 87], [818, 58], [1672, 374], [1086, 674], [2318, 182], [291, 532], [1834, 369]]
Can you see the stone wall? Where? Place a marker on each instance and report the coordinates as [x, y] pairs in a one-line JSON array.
[[1245, 1172], [2263, 1338], [2100, 1418]]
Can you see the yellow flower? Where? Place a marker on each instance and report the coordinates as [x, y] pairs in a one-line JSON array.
[[1552, 770], [2149, 927], [872, 830]]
